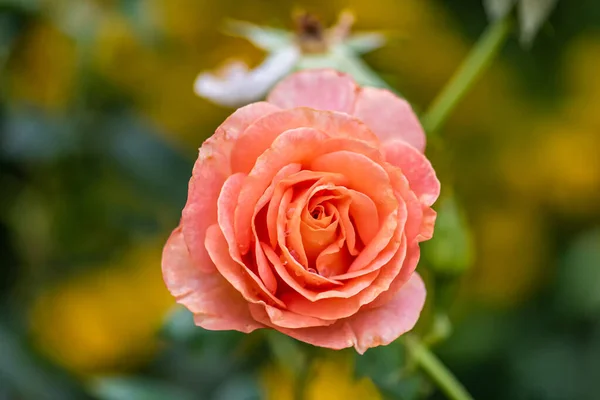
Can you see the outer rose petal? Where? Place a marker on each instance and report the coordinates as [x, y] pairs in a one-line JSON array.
[[389, 116], [417, 169], [322, 89], [286, 319], [369, 327], [259, 135], [210, 172], [216, 305]]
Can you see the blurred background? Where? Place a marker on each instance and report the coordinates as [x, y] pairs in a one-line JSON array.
[[99, 129]]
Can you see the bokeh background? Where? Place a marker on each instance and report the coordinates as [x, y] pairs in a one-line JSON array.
[[99, 130]]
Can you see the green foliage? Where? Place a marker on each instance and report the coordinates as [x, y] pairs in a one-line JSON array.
[[450, 251]]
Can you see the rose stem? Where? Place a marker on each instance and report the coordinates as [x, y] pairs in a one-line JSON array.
[[437, 371], [476, 62]]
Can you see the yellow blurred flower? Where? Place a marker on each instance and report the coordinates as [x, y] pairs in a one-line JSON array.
[[106, 319], [511, 252], [329, 378]]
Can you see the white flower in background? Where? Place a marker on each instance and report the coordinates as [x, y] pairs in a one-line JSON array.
[[310, 46]]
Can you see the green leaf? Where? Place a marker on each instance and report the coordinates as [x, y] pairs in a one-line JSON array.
[[450, 251], [579, 276], [132, 388], [179, 325], [360, 43], [287, 352], [532, 15], [268, 39], [242, 387]]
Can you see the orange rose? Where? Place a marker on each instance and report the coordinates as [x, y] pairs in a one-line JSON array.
[[305, 213]]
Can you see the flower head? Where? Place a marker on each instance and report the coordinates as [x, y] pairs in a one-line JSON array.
[[305, 214], [235, 84]]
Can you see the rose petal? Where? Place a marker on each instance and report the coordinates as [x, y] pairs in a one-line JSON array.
[[371, 179], [389, 116], [215, 303], [414, 207], [302, 294], [336, 308], [228, 259], [293, 146], [260, 135], [417, 169], [427, 224], [285, 319], [322, 89], [413, 254], [369, 327], [210, 172], [334, 260]]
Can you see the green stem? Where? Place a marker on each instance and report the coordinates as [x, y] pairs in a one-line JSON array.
[[437, 371], [473, 66]]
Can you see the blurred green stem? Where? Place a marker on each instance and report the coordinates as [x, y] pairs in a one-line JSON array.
[[434, 368], [472, 67]]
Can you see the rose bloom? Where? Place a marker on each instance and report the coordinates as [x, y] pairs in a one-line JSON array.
[[304, 214]]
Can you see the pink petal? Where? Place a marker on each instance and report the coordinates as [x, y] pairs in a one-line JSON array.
[[209, 173], [370, 178], [338, 307], [322, 89], [215, 303], [417, 169], [389, 116], [273, 316], [414, 207], [293, 146], [303, 294], [413, 254], [223, 250], [260, 135], [369, 327], [427, 225]]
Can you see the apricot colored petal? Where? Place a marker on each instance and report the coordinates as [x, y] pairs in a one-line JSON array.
[[370, 178], [316, 240], [413, 254], [427, 224], [370, 327], [338, 307], [215, 303], [334, 260], [295, 257], [417, 169], [302, 294], [259, 136], [260, 218], [390, 117], [364, 175], [210, 172], [273, 316], [293, 146], [414, 207], [227, 258], [322, 89], [364, 213]]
